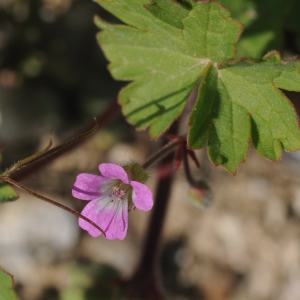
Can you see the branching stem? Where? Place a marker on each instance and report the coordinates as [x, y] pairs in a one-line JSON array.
[[161, 153]]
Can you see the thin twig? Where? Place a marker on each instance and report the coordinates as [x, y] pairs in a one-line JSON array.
[[161, 153], [27, 160], [45, 157], [49, 200], [144, 282]]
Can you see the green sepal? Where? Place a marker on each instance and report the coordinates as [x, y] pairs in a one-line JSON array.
[[136, 172]]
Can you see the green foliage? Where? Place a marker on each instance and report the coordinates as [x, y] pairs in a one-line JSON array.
[[167, 49], [88, 281], [245, 101], [164, 64], [78, 282], [145, 53], [6, 287], [7, 193], [266, 24], [136, 172]]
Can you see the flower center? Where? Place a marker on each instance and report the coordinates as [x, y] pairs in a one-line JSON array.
[[118, 191]]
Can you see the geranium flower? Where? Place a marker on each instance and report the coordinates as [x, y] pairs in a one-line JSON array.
[[110, 196]]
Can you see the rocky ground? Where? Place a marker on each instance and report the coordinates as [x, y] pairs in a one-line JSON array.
[[244, 246]]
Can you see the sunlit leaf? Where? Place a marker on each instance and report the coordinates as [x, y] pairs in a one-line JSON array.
[[6, 287], [167, 49], [163, 54]]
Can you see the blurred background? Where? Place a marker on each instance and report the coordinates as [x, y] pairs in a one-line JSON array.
[[53, 81]]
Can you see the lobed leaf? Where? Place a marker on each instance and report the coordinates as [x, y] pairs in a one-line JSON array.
[[247, 103], [161, 51], [166, 49]]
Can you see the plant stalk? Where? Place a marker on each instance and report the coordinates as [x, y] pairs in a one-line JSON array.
[[144, 283], [26, 189], [29, 165]]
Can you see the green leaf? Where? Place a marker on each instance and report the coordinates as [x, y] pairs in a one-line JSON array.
[[266, 24], [7, 193], [78, 281], [167, 49], [169, 11], [246, 102], [87, 281], [164, 50], [6, 287], [242, 10]]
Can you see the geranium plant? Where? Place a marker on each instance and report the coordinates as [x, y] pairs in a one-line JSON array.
[[194, 80]]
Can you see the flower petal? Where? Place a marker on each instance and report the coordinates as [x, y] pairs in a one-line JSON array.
[[111, 216], [87, 186], [91, 211], [113, 171], [117, 229], [141, 196]]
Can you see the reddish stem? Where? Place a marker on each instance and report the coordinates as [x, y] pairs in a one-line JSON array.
[[48, 156], [49, 200], [144, 284]]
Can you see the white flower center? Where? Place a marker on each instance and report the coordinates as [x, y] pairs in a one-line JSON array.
[[116, 190], [118, 193]]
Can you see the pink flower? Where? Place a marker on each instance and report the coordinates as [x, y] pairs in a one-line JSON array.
[[110, 195]]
